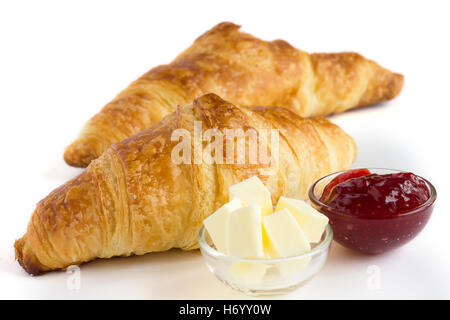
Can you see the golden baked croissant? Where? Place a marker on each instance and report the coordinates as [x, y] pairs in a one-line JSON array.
[[136, 199], [244, 70]]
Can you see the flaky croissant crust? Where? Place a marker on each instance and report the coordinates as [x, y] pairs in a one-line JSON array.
[[244, 70], [135, 199]]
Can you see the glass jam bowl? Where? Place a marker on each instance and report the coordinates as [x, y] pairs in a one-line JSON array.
[[373, 235], [257, 277]]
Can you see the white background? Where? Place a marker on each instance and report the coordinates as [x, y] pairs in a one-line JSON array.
[[61, 62]]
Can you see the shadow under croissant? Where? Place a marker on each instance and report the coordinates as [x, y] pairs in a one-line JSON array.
[[161, 258]]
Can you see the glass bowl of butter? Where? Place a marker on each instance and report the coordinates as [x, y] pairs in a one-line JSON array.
[[261, 249]]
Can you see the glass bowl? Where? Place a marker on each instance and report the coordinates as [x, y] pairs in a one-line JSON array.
[[258, 277], [373, 236]]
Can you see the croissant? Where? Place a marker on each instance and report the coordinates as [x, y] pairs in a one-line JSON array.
[[136, 199], [244, 70]]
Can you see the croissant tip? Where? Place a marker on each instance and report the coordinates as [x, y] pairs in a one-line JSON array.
[[227, 25], [77, 157], [28, 264], [398, 82], [18, 246], [222, 28]]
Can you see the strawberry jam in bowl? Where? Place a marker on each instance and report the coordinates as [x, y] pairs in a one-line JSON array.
[[374, 210]]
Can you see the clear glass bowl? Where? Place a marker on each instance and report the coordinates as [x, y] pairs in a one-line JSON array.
[[373, 236], [258, 277]]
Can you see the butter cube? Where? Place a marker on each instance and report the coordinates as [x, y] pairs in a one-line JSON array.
[[244, 232], [215, 223], [285, 235], [250, 191], [311, 221]]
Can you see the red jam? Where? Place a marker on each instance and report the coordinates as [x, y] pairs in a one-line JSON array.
[[372, 212], [375, 196]]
